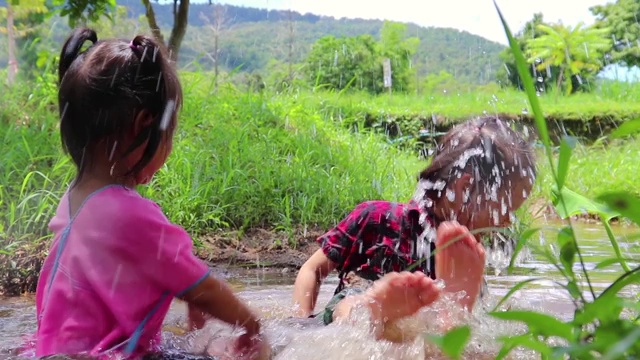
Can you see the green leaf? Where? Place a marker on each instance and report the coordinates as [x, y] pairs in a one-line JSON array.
[[566, 240], [573, 289], [538, 323], [453, 342], [626, 128], [608, 262], [622, 345], [605, 308], [522, 241], [577, 204], [526, 341], [515, 288], [527, 82], [567, 145], [625, 279], [627, 204]]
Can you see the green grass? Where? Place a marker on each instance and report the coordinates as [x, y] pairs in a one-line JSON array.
[[243, 160], [240, 160], [597, 169], [609, 99]]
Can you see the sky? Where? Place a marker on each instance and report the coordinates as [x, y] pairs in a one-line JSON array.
[[475, 16]]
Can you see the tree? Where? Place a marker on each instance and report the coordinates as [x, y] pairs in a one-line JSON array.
[[347, 61], [17, 15], [621, 18], [400, 50], [180, 20], [82, 11], [573, 49], [508, 74], [216, 25]]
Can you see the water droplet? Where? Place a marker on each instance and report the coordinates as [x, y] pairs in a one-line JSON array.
[[169, 110]]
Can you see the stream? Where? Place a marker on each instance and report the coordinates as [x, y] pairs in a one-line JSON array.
[[270, 292]]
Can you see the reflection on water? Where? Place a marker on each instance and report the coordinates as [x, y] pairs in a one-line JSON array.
[[270, 292]]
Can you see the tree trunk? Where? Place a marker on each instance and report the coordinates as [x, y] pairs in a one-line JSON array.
[[12, 69], [219, 18], [153, 24], [559, 83], [290, 55], [180, 20]]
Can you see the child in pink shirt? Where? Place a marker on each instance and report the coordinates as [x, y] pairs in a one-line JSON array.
[[116, 262]]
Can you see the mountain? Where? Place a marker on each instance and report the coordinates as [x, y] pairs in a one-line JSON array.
[[251, 37]]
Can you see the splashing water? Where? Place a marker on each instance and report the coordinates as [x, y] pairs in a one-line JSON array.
[[168, 113]]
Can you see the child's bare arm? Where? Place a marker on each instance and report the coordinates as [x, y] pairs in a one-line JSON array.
[[307, 285], [215, 298], [197, 318]]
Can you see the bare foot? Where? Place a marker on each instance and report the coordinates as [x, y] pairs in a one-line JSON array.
[[393, 297], [460, 260]]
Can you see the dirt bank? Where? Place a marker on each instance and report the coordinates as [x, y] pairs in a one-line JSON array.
[[267, 248], [255, 248]]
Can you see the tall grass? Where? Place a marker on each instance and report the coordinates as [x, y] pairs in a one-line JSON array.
[[244, 159], [605, 325], [609, 99], [240, 160]]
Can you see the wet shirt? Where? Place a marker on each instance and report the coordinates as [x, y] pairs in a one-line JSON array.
[[377, 237], [110, 276]]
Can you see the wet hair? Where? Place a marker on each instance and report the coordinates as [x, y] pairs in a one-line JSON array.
[[102, 90], [485, 148]]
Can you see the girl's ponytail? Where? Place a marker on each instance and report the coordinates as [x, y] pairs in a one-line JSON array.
[[72, 47]]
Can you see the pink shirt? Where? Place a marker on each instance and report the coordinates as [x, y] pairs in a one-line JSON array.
[[110, 276]]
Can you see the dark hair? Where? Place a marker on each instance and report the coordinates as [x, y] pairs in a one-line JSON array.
[[487, 149], [103, 88]]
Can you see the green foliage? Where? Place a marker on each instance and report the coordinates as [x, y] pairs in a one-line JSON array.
[[253, 39], [621, 17], [599, 328], [83, 11], [508, 74], [575, 50], [241, 160], [395, 46], [452, 343], [340, 63], [337, 63]]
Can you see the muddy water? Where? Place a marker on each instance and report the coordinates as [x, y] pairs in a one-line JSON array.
[[270, 291]]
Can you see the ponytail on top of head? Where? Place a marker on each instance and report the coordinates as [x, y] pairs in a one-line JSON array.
[[71, 49], [103, 89]]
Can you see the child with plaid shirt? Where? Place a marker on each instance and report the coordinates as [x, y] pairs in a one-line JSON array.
[[482, 171]]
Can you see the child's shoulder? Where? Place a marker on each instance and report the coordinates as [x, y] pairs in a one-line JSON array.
[[123, 203]]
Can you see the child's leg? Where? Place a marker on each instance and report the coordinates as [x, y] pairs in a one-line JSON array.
[[395, 296], [459, 261]]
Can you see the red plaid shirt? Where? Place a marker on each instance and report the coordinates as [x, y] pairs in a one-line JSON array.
[[377, 237]]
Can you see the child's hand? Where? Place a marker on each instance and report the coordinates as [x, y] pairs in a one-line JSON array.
[[252, 347], [197, 318]]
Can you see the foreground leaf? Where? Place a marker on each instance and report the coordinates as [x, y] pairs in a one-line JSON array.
[[566, 147], [576, 204], [627, 204], [538, 323], [626, 128], [453, 342]]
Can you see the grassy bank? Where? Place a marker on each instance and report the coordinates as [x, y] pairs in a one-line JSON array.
[[240, 160], [245, 160], [586, 115]]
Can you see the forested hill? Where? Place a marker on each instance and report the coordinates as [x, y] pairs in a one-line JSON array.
[[252, 37], [258, 40]]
